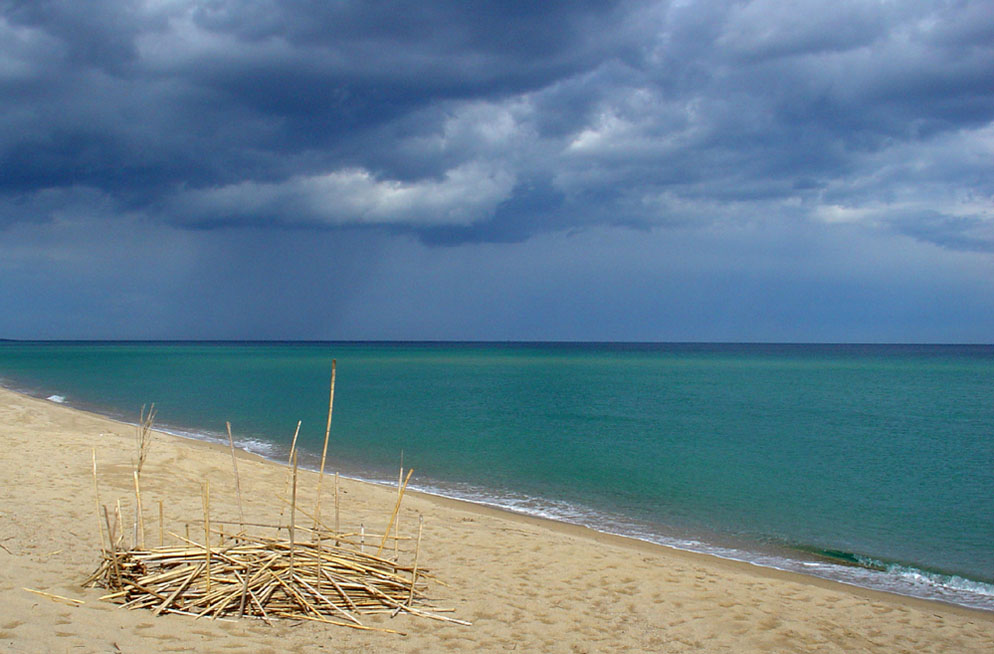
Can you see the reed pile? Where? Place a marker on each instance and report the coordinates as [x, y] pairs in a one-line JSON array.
[[256, 572], [265, 577]]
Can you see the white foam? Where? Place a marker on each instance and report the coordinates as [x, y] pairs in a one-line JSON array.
[[59, 399], [256, 446], [893, 578]]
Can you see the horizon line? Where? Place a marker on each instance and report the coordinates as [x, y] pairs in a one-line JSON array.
[[485, 341]]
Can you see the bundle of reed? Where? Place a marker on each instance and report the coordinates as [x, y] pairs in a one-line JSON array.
[[259, 576], [267, 578]]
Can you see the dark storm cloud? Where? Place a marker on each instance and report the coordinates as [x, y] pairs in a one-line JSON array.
[[118, 94], [465, 122]]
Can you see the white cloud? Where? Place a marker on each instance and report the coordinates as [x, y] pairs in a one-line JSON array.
[[355, 196]]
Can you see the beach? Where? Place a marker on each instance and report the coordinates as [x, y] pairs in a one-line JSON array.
[[525, 583]]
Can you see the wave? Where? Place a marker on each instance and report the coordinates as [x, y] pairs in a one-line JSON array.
[[264, 448], [836, 565], [58, 399], [903, 578]]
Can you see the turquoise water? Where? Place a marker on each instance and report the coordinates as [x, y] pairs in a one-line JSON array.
[[873, 465]]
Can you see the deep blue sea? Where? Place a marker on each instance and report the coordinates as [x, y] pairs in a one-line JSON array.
[[869, 464]]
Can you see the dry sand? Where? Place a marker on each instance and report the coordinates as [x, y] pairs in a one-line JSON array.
[[526, 584]]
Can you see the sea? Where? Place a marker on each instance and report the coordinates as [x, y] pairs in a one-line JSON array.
[[872, 465]]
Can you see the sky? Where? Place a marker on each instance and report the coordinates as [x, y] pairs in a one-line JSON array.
[[713, 170]]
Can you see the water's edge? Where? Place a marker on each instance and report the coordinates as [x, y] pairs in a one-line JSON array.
[[847, 568]]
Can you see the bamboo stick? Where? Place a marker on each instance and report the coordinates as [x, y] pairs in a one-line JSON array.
[[161, 525], [234, 465], [396, 508], [324, 450]]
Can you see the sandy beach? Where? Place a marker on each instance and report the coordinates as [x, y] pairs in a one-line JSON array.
[[526, 584]]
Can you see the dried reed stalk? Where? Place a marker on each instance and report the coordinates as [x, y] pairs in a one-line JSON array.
[[140, 521], [143, 441], [144, 436], [119, 523], [96, 499], [293, 509], [206, 497], [234, 465], [289, 465], [327, 434], [113, 547], [251, 577], [396, 508], [396, 524], [257, 576], [417, 554], [53, 596]]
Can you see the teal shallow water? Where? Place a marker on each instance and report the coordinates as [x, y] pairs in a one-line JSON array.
[[810, 458]]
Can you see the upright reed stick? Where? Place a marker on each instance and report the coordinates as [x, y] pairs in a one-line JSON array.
[[324, 450], [207, 528], [113, 548], [119, 522], [293, 510], [396, 508], [338, 529], [289, 463], [396, 524], [238, 485], [144, 436], [417, 553], [96, 498], [140, 521]]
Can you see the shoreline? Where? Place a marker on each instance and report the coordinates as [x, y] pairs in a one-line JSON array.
[[724, 554], [552, 524], [522, 581], [806, 563]]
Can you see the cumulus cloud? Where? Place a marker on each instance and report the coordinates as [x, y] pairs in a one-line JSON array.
[[637, 113], [351, 196]]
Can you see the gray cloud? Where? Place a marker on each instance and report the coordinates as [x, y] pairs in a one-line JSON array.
[[215, 113], [463, 124]]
